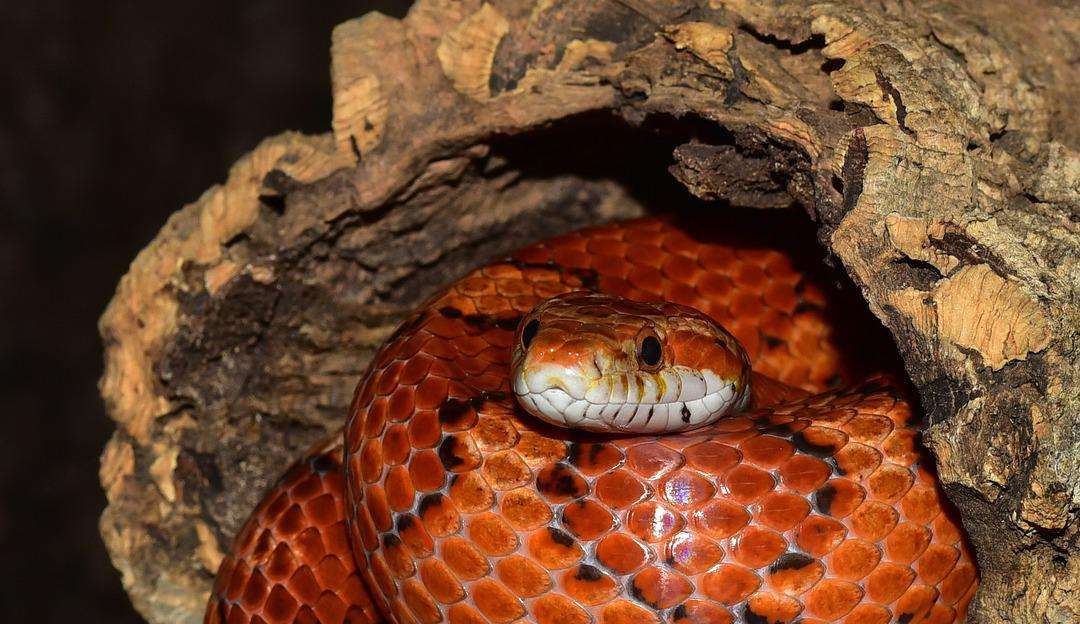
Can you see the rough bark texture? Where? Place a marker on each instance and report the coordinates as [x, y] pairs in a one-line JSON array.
[[934, 145]]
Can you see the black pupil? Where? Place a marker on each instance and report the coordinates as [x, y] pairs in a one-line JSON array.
[[650, 351], [529, 332]]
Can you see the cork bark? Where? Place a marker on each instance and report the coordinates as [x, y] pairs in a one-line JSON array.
[[934, 145]]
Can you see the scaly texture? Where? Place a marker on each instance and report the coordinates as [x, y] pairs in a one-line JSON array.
[[464, 509]]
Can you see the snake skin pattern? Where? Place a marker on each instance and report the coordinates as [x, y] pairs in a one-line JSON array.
[[816, 505]]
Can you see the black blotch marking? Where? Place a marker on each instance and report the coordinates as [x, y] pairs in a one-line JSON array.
[[791, 561], [808, 447], [408, 326], [754, 618], [389, 540], [589, 278], [678, 612], [428, 501], [404, 523], [454, 411], [636, 593], [588, 573], [805, 306], [577, 448], [685, 414], [771, 341], [323, 464], [782, 429], [560, 482], [560, 537], [904, 618], [484, 321], [450, 312], [448, 453], [823, 499]]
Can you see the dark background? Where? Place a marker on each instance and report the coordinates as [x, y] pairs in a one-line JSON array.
[[112, 116]]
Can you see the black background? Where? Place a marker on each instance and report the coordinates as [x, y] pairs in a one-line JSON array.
[[112, 116]]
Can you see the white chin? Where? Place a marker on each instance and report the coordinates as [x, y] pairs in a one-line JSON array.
[[557, 407]]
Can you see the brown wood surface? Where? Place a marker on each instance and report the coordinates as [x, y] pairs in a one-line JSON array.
[[934, 144]]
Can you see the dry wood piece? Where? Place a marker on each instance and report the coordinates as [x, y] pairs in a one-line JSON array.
[[934, 145]]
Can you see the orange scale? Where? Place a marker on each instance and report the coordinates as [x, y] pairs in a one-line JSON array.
[[464, 559], [559, 483], [832, 599], [533, 254], [398, 558], [647, 279], [459, 453], [901, 447], [426, 471], [586, 519], [888, 581], [379, 507], [554, 548], [692, 554], [556, 609], [415, 535], [280, 605], [445, 327], [682, 293], [400, 492], [470, 346], [660, 588], [854, 559], [439, 515], [538, 449], [606, 246], [687, 490], [747, 305], [381, 573], [721, 518], [424, 429], [946, 530], [873, 520], [626, 612], [374, 421], [715, 288], [441, 582], [782, 510], [717, 259], [766, 451], [621, 553], [329, 608], [730, 584], [733, 437], [940, 614], [780, 296], [868, 428], [491, 304], [431, 392], [889, 482], [818, 536], [957, 583], [712, 458], [330, 572], [363, 528], [937, 561], [857, 461], [619, 489], [701, 612], [506, 470], [612, 266], [653, 522], [906, 542], [475, 286], [769, 607], [371, 460], [420, 602], [915, 603], [756, 547], [282, 563], [442, 351], [502, 271], [588, 585], [794, 573], [547, 290], [746, 484], [526, 301], [839, 498], [572, 258], [492, 534], [868, 614], [679, 268], [522, 576], [594, 458], [921, 504], [524, 509], [471, 492], [415, 369], [652, 460], [336, 537]]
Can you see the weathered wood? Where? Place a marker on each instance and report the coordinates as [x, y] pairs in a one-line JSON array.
[[935, 146]]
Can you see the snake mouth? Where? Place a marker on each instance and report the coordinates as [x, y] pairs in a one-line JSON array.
[[677, 400]]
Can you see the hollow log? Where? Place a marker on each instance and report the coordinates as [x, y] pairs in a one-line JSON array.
[[934, 147]]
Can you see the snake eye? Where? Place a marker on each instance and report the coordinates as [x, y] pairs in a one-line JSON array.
[[529, 333], [649, 352]]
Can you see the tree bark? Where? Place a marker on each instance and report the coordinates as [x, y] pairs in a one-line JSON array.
[[934, 145]]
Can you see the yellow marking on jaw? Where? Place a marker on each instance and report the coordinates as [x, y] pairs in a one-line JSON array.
[[661, 386]]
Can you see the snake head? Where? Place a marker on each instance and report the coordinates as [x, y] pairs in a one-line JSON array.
[[590, 361]]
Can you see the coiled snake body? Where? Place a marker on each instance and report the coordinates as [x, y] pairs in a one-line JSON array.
[[448, 501]]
